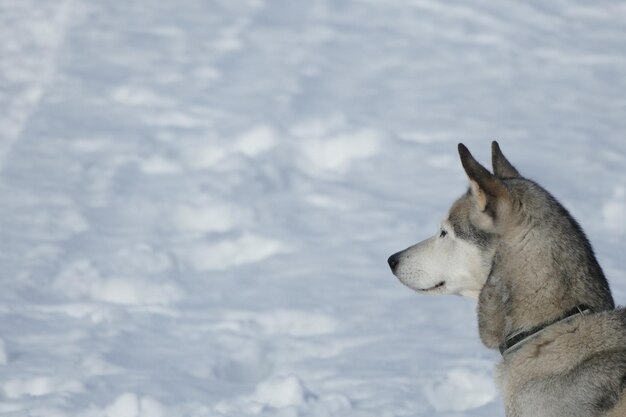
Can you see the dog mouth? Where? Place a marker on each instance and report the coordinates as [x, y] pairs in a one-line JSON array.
[[434, 288]]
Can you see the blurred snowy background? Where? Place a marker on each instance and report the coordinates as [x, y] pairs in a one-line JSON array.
[[198, 198]]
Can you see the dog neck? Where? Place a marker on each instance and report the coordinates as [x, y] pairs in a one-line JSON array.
[[524, 297], [516, 340]]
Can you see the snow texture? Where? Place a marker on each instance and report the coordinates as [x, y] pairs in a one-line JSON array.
[[198, 197]]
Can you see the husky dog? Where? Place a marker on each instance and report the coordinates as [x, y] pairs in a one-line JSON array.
[[542, 297]]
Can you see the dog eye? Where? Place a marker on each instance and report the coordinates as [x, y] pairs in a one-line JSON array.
[[443, 233]]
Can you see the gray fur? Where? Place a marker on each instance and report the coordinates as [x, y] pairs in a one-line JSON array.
[[541, 266]]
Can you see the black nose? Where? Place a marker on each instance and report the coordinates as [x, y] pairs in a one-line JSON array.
[[393, 261]]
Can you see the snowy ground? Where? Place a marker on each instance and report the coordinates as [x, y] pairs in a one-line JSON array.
[[197, 198]]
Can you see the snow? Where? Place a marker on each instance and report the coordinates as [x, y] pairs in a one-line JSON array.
[[280, 392], [3, 353], [199, 198], [460, 389]]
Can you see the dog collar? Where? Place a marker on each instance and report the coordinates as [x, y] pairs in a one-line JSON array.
[[516, 340]]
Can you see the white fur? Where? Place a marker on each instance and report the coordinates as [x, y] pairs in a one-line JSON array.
[[455, 262]]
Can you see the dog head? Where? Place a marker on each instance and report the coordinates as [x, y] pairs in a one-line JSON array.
[[457, 259]]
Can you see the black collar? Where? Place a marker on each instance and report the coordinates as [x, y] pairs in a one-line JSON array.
[[514, 341]]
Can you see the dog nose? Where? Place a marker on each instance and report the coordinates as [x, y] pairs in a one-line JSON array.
[[393, 261]]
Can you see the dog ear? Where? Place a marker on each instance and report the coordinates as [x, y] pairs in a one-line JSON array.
[[502, 168], [486, 187]]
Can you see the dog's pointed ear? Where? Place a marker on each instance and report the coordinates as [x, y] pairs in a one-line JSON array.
[[485, 187], [502, 168]]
